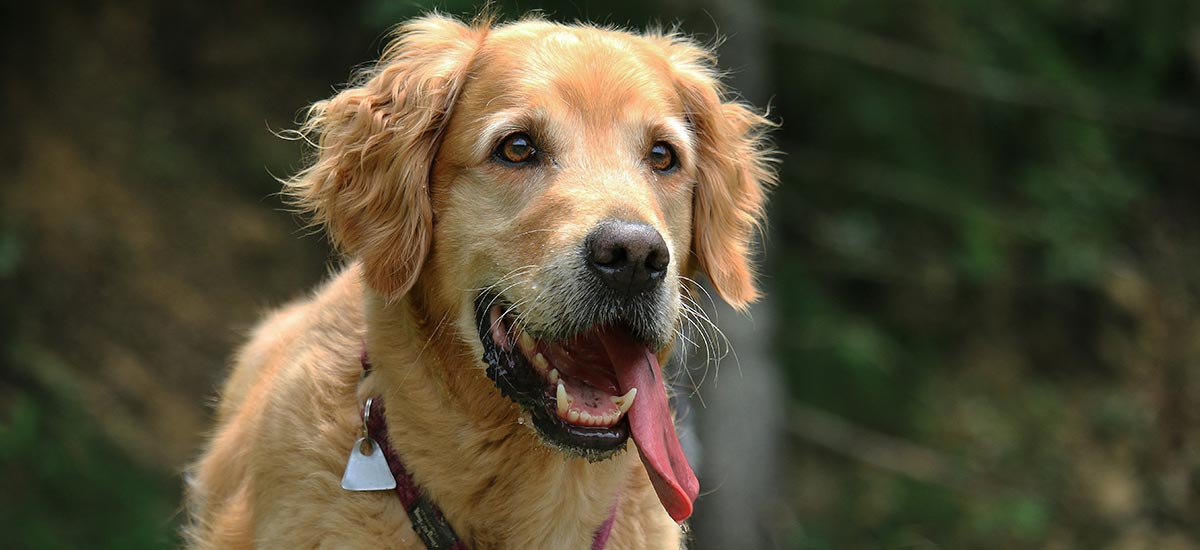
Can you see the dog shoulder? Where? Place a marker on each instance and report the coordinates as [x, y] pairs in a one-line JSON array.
[[303, 354], [319, 326]]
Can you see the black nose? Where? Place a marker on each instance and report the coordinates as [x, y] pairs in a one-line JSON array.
[[630, 258]]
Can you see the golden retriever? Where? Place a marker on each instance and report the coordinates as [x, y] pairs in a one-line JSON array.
[[524, 204]]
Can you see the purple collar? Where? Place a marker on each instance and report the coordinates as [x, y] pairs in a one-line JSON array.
[[426, 517]]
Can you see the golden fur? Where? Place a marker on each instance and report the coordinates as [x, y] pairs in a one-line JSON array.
[[403, 182]]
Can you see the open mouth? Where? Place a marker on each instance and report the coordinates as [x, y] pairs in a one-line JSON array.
[[569, 388], [588, 394]]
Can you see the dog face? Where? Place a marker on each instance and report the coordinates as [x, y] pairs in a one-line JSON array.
[[566, 179], [552, 189]]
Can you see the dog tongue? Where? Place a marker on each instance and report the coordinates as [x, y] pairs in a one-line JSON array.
[[651, 425]]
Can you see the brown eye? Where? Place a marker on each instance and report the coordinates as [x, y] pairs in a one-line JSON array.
[[662, 157], [516, 149]]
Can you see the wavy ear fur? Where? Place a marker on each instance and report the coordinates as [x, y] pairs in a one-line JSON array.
[[735, 168], [368, 182]]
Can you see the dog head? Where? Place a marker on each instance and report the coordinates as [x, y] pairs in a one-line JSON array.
[[552, 188]]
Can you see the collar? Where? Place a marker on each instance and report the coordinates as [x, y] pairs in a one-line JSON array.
[[427, 519]]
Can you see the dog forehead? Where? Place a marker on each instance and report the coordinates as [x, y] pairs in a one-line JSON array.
[[580, 68]]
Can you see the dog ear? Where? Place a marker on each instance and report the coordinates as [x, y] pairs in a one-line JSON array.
[[375, 146], [734, 166]]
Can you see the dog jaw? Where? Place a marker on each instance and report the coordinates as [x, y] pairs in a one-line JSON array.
[[495, 469]]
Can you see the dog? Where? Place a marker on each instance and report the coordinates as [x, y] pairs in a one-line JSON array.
[[524, 208]]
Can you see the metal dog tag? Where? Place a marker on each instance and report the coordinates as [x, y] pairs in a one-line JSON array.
[[367, 471]]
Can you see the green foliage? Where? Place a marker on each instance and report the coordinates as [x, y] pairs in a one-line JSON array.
[[984, 244], [67, 486], [962, 220], [10, 254]]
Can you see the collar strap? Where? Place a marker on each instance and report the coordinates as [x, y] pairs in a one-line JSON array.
[[427, 519]]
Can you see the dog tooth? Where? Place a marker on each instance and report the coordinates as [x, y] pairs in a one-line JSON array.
[[554, 376], [623, 407], [573, 416], [585, 417], [526, 342], [540, 362], [623, 402], [563, 400], [499, 334]]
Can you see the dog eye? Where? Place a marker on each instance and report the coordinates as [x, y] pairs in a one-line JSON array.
[[516, 149], [662, 157]]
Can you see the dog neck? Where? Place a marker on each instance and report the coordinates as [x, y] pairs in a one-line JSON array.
[[469, 448]]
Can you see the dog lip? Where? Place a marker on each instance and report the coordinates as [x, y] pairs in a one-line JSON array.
[[517, 378], [578, 371]]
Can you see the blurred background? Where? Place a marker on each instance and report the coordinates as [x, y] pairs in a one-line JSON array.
[[983, 264]]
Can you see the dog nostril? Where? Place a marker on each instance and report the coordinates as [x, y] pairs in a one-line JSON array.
[[658, 260], [609, 254], [628, 257]]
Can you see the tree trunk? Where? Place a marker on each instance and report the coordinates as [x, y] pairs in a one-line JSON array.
[[739, 414]]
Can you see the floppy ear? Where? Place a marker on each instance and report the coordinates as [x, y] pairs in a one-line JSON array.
[[368, 183], [734, 167]]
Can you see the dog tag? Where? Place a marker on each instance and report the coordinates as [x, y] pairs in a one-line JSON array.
[[367, 471]]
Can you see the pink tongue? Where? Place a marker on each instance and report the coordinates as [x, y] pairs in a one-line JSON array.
[[651, 425]]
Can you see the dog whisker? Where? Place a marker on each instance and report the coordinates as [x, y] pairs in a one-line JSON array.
[[712, 302], [719, 335], [530, 232], [511, 274], [708, 351], [496, 297], [710, 334], [694, 317], [695, 387], [433, 336]]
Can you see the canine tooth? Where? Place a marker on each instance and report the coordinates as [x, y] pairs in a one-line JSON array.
[[499, 334], [623, 402], [540, 362], [554, 376], [525, 341], [573, 416], [563, 400], [623, 406]]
